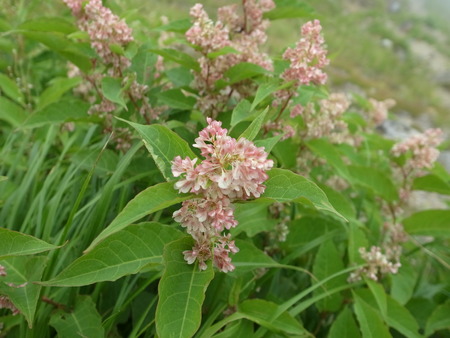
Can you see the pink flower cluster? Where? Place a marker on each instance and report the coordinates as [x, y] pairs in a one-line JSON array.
[[232, 170], [326, 121], [308, 57], [379, 112], [5, 302], [104, 29], [422, 148], [244, 34], [377, 264]]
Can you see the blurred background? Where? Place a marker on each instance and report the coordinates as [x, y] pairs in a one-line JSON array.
[[378, 48]]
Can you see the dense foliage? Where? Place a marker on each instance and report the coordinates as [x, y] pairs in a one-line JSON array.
[[175, 180]]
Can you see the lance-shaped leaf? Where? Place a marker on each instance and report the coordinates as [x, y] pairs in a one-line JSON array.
[[327, 151], [19, 284], [432, 183], [123, 253], [268, 143], [13, 243], [164, 145], [327, 263], [250, 257], [112, 90], [439, 318], [181, 292], [370, 321], [83, 321], [56, 90], [65, 110], [253, 129], [285, 186], [150, 200], [344, 326], [428, 223], [264, 313], [375, 180], [10, 88]]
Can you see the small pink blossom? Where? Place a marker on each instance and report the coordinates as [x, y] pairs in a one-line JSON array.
[[104, 29], [5, 303], [379, 110], [231, 170], [244, 34], [2, 271], [308, 57], [422, 148], [327, 121], [296, 110], [377, 264]]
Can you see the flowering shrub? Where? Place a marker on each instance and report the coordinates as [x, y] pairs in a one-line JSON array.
[[290, 215]]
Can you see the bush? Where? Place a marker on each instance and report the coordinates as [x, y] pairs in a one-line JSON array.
[[297, 217]]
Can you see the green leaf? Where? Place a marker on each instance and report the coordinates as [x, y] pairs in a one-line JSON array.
[[285, 186], [57, 88], [80, 54], [327, 151], [143, 64], [327, 262], [178, 57], [252, 218], [286, 9], [223, 51], [250, 257], [23, 272], [261, 312], [356, 239], [339, 201], [254, 127], [240, 113], [265, 314], [379, 295], [370, 321], [164, 145], [344, 326], [428, 223], [83, 321], [240, 328], [432, 183], [11, 112], [180, 76], [264, 90], [177, 26], [181, 292], [150, 200], [243, 71], [116, 49], [284, 151], [268, 143], [59, 112], [375, 180], [49, 24], [175, 98], [56, 41], [439, 319], [123, 253], [403, 283], [10, 88], [14, 243], [394, 314], [112, 90], [401, 319]]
